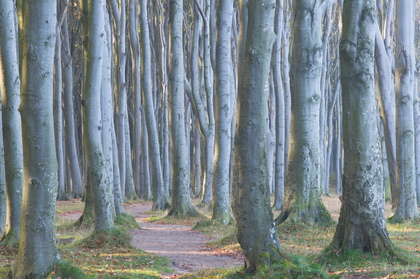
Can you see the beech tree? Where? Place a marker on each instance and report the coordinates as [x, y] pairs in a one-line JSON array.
[[37, 245], [250, 192], [69, 115], [361, 225], [160, 200], [12, 128], [303, 180], [224, 114], [404, 82], [181, 202], [96, 165]]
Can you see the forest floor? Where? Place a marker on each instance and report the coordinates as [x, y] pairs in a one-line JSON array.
[[169, 247], [187, 249]]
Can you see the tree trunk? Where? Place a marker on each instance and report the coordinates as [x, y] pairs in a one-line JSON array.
[[361, 225], [12, 133], [387, 106], [107, 114], [37, 252], [221, 174], [69, 115], [280, 110], [181, 202], [160, 200], [303, 181], [92, 126], [404, 82], [58, 116], [251, 195]]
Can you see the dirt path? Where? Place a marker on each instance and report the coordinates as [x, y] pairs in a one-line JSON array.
[[184, 247]]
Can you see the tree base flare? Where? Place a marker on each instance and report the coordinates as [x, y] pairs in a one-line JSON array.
[[312, 215]]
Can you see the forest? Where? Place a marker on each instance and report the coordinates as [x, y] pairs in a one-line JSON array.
[[240, 116]]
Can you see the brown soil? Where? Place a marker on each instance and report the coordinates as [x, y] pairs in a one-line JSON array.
[[186, 248]]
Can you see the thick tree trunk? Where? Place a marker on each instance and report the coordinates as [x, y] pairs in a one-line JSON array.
[[303, 181], [251, 195], [12, 132], [221, 175], [37, 246], [361, 225], [181, 202], [404, 82]]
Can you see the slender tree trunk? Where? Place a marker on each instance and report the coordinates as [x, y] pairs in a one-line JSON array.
[[404, 82], [12, 128], [361, 225], [98, 176], [221, 175], [280, 110], [69, 115], [160, 200], [181, 202], [107, 115], [251, 196], [37, 252], [58, 116], [387, 106], [136, 83], [303, 181]]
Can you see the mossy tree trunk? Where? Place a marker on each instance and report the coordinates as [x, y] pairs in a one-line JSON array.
[[303, 180], [361, 225], [37, 252], [12, 132], [250, 191]]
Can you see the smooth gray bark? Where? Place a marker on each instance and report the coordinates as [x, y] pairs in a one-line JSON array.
[[404, 90], [361, 225], [107, 115], [69, 115], [303, 180], [387, 107], [136, 83], [58, 116], [251, 195], [92, 126], [181, 202], [223, 115], [203, 105], [37, 252], [12, 128], [119, 15], [160, 200], [279, 169]]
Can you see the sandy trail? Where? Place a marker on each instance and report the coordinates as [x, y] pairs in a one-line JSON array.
[[187, 249]]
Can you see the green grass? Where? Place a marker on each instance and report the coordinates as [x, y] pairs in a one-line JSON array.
[[87, 255], [111, 256]]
